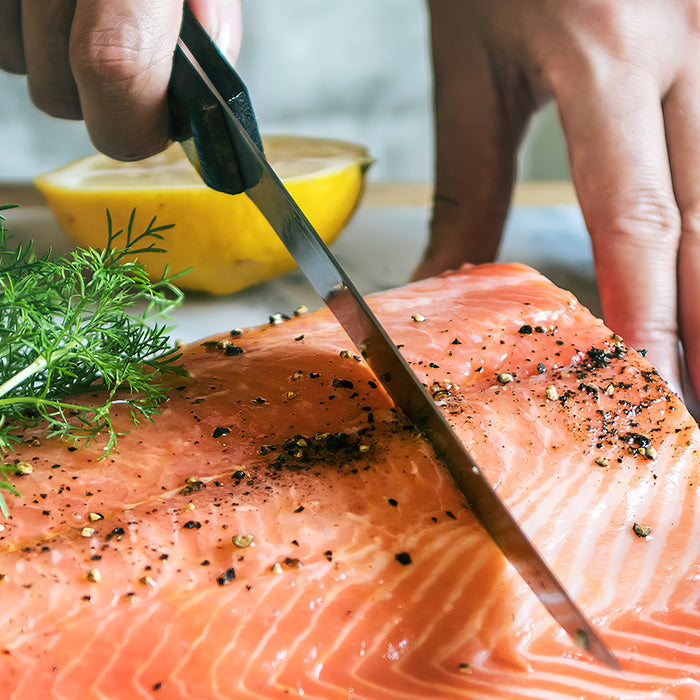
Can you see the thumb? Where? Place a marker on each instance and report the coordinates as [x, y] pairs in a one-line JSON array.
[[481, 111]]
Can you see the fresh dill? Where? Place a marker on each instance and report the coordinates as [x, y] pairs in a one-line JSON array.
[[85, 321]]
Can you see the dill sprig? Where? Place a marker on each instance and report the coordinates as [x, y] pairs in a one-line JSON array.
[[85, 321]]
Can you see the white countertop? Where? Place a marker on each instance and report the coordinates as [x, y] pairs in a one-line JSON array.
[[379, 249]]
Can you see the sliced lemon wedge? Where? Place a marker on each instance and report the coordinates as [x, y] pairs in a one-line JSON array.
[[223, 238]]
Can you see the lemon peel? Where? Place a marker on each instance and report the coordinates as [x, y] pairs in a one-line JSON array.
[[223, 238]]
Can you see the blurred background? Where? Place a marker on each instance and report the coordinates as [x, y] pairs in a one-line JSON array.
[[357, 71]]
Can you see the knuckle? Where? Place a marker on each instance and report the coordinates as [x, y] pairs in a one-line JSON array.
[[690, 223], [113, 57], [598, 41], [645, 218], [613, 25]]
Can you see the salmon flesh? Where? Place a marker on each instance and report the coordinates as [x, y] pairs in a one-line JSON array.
[[280, 530]]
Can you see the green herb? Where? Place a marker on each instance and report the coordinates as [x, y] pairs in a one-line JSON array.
[[81, 322]]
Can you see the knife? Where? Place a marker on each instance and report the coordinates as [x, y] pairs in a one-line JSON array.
[[215, 123]]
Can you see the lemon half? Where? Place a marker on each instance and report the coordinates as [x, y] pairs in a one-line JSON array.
[[223, 238]]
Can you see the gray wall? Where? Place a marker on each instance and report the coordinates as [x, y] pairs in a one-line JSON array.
[[354, 70]]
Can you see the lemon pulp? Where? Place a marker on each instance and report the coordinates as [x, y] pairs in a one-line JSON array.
[[223, 238]]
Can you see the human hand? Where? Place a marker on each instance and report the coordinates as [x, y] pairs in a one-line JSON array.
[[625, 75], [107, 61]]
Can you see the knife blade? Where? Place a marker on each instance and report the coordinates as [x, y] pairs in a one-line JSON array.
[[216, 124]]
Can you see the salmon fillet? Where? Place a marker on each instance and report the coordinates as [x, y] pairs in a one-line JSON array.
[[280, 530]]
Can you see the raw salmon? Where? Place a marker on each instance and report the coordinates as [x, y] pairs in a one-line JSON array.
[[280, 530]]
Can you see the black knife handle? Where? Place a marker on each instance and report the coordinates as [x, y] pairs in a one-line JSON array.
[[196, 113]]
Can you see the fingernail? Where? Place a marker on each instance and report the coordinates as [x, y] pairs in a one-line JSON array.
[[223, 23]]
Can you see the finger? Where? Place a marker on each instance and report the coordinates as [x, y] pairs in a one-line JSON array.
[[121, 54], [46, 26], [682, 116], [479, 120], [222, 20], [619, 164], [11, 48]]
